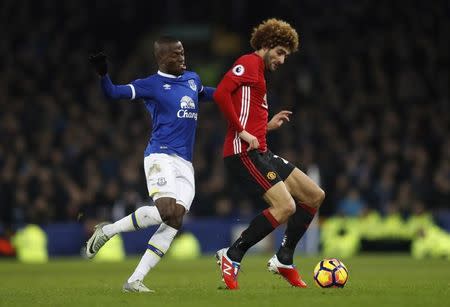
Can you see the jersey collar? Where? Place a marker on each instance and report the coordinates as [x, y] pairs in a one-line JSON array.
[[167, 75]]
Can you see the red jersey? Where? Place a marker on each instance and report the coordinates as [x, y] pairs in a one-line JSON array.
[[241, 95]]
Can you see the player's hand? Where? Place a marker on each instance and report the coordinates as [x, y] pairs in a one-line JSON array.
[[250, 139], [98, 60], [278, 120]]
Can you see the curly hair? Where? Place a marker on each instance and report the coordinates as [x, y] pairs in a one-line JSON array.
[[274, 32]]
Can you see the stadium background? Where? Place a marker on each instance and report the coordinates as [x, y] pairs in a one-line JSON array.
[[368, 90]]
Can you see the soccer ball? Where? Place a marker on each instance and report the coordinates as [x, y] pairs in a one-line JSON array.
[[330, 273]]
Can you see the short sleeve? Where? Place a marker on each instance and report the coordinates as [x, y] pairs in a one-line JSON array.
[[244, 70], [199, 84]]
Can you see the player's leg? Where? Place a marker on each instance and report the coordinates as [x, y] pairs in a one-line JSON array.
[[172, 211], [253, 170], [142, 218], [161, 186], [158, 244], [283, 264], [160, 180], [281, 207], [161, 240], [308, 196]]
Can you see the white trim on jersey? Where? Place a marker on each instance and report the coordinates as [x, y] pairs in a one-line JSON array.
[[247, 88], [167, 75], [133, 91], [243, 117], [236, 143]]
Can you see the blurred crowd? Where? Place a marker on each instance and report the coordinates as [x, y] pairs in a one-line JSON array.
[[368, 90]]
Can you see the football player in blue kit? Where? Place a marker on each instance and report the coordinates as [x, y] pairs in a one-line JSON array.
[[171, 97]]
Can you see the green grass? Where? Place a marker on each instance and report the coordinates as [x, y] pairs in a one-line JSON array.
[[375, 280]]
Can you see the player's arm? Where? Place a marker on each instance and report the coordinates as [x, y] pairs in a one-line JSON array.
[[278, 120], [112, 91], [222, 96], [206, 93]]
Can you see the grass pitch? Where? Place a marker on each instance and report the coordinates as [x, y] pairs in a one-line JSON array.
[[375, 280]]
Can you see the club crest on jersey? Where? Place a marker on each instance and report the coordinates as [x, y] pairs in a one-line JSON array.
[[192, 85], [238, 70]]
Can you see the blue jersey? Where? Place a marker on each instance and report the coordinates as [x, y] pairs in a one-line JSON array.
[[173, 105]]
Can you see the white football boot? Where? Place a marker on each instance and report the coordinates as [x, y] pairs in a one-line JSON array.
[[96, 241], [288, 272], [135, 286]]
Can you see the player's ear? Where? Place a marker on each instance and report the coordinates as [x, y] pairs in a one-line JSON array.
[[157, 57], [157, 52]]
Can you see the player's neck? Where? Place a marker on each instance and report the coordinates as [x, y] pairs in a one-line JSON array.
[[261, 53]]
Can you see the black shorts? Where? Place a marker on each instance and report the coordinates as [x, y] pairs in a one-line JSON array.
[[256, 172]]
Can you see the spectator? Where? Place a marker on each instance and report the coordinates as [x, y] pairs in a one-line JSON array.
[[369, 92]]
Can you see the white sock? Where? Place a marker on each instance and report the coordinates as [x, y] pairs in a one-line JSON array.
[[142, 218], [157, 246]]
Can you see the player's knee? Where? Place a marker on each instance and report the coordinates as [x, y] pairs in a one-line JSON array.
[[288, 208], [166, 207], [176, 218], [175, 221], [171, 213], [291, 207], [315, 198], [318, 198]]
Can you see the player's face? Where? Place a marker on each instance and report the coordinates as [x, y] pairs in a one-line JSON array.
[[275, 57], [173, 60]]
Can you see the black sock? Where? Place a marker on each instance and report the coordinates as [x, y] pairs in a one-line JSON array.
[[260, 227], [297, 225]]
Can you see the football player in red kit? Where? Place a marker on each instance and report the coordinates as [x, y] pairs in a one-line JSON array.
[[293, 198]]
